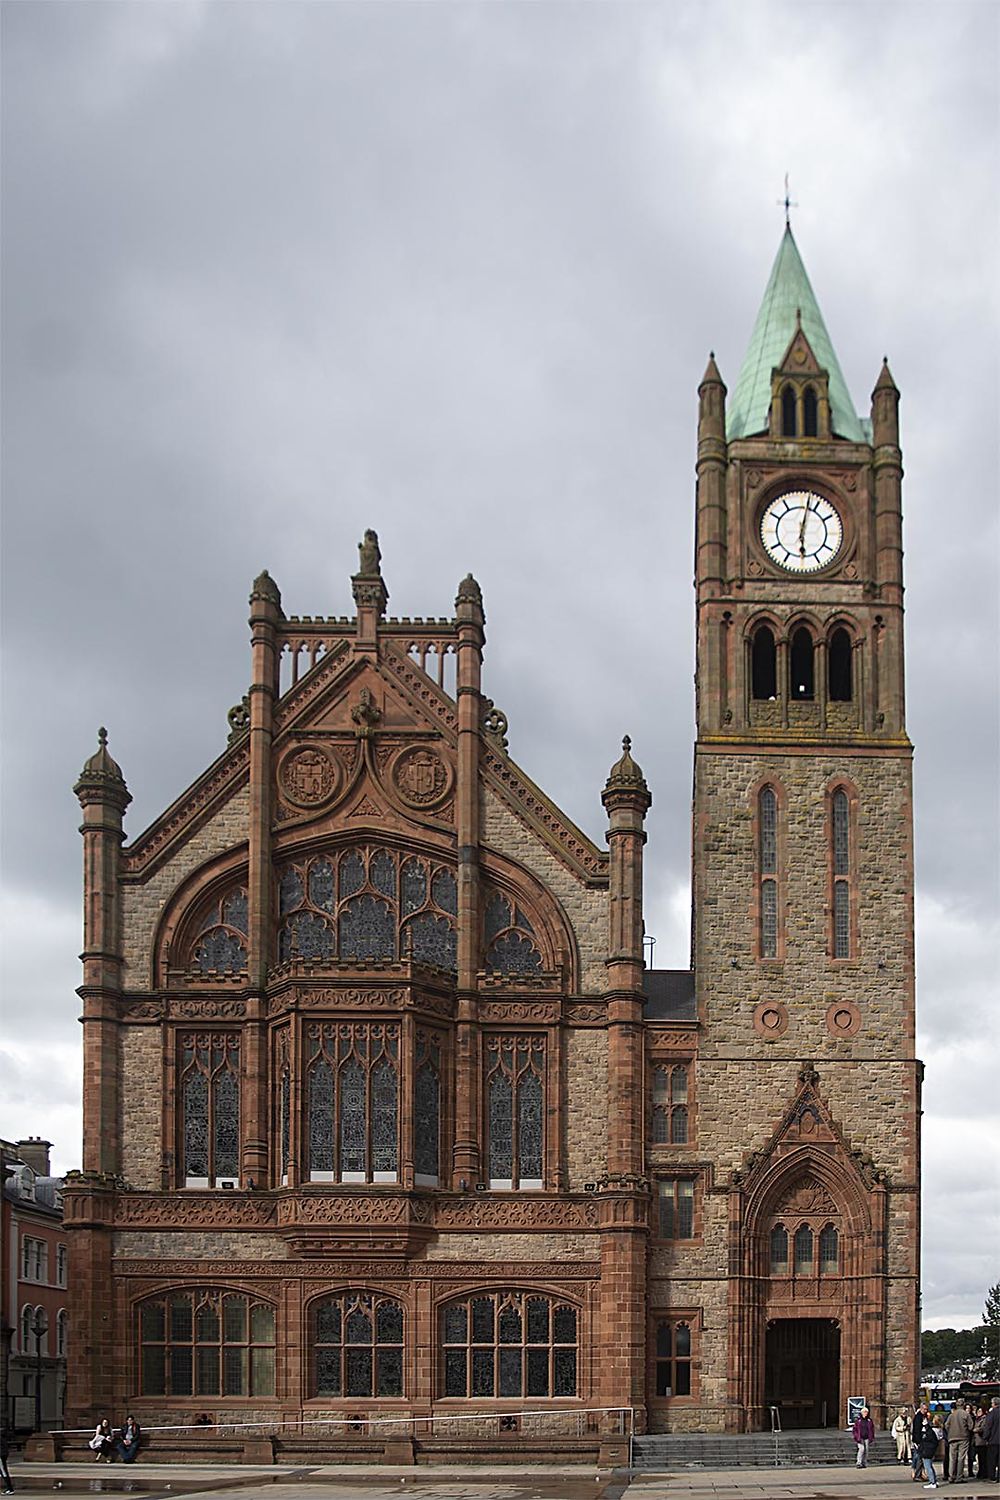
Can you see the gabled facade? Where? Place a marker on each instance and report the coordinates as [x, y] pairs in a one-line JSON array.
[[384, 1117]]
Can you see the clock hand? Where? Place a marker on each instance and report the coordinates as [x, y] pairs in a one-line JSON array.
[[802, 530]]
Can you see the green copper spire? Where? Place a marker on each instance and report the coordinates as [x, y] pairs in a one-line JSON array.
[[788, 293]]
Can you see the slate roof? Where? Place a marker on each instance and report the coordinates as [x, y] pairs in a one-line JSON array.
[[669, 995], [788, 292]]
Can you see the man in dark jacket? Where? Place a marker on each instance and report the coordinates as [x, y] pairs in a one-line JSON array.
[[958, 1430], [991, 1432]]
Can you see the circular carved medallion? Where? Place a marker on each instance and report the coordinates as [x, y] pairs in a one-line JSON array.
[[843, 1018], [308, 776], [421, 777], [770, 1019]]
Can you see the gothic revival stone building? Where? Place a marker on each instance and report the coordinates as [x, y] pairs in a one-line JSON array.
[[384, 1116]]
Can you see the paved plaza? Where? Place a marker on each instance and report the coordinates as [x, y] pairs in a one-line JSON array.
[[363, 1482]]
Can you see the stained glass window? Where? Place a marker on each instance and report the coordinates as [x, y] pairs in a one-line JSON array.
[[209, 1127], [352, 1094], [670, 1104], [206, 1342], [362, 905], [674, 1357], [515, 1075], [221, 945], [509, 1343], [508, 938], [779, 1250], [358, 1345], [840, 818], [427, 1108], [767, 870]]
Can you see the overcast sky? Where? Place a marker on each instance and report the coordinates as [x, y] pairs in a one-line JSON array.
[[273, 273]]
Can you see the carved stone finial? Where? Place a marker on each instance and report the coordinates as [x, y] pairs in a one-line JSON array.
[[101, 778], [239, 719], [366, 714], [495, 722], [808, 1074], [370, 556], [625, 772], [469, 592], [264, 587]]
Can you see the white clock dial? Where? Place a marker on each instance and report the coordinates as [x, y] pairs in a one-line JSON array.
[[801, 531]]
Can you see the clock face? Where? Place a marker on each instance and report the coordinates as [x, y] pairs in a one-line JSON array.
[[801, 531]]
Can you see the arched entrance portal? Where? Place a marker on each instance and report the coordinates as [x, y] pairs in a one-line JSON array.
[[802, 1371]]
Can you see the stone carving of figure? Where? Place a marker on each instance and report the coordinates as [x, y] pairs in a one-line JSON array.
[[370, 556]]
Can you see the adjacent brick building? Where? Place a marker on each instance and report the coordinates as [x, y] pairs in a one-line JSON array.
[[34, 1281], [384, 1116]]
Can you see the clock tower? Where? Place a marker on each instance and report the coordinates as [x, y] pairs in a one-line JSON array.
[[803, 875]]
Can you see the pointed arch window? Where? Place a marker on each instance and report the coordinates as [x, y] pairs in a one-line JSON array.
[[220, 946], [352, 1101], [358, 1345], [763, 664], [840, 686], [509, 1343], [842, 861], [801, 667], [206, 1342], [367, 905], [779, 1250], [509, 936], [829, 1250], [670, 1104], [209, 1090], [803, 1250], [810, 412], [514, 1094], [767, 867], [789, 422]]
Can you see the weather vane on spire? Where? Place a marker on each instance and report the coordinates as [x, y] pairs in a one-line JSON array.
[[786, 203]]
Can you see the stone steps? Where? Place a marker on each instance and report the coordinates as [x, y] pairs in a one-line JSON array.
[[675, 1452]]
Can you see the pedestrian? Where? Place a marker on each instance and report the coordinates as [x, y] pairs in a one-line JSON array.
[[920, 1420], [900, 1430], [103, 1442], [928, 1448], [863, 1433], [978, 1449], [128, 1440], [959, 1429], [991, 1432]]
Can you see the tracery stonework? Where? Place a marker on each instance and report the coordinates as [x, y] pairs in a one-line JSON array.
[[309, 776], [421, 777], [371, 1037]]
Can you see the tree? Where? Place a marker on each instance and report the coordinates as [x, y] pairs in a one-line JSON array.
[[991, 1312]]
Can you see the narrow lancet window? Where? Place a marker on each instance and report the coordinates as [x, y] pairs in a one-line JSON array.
[[810, 412], [763, 667], [768, 871], [788, 414], [841, 688], [841, 832], [800, 665]]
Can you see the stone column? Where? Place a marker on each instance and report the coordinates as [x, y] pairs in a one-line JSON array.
[[470, 619], [888, 476], [103, 796], [266, 618], [624, 1199]]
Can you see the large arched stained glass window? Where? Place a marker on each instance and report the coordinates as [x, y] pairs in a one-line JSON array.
[[206, 1342], [515, 1087], [209, 1124], [352, 1101], [358, 1345], [509, 1343]]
